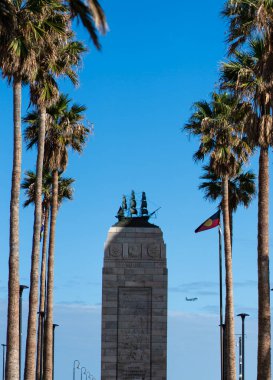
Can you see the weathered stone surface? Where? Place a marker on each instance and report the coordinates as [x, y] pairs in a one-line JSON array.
[[134, 305]]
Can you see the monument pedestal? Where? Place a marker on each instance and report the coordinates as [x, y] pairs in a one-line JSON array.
[[134, 304]]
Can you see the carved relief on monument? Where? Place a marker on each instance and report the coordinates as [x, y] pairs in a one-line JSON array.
[[134, 251], [153, 250], [115, 250], [134, 333]]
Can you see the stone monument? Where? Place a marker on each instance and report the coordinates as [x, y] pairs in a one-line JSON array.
[[134, 298]]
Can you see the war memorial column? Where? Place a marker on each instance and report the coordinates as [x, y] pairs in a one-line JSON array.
[[134, 300]]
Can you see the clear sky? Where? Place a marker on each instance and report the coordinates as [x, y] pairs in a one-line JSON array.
[[157, 59]]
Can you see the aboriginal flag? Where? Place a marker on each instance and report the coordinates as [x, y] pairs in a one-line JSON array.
[[211, 222]]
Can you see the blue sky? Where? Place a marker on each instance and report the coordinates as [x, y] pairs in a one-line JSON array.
[[157, 59]]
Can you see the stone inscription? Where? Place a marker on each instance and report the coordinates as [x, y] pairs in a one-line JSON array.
[[136, 264], [134, 333]]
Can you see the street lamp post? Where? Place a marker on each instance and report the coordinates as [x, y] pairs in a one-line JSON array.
[[83, 372], [53, 348], [76, 364], [243, 315], [4, 360], [240, 358], [22, 288]]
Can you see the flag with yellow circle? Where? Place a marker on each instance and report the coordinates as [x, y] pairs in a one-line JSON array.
[[211, 222]]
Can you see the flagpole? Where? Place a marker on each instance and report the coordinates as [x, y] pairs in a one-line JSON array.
[[221, 303], [212, 222]]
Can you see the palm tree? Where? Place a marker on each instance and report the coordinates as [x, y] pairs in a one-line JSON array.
[[30, 24], [244, 74], [64, 130], [57, 58], [44, 90], [65, 192], [218, 125], [242, 190]]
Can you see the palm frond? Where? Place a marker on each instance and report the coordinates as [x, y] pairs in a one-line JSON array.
[[65, 189], [242, 188], [65, 129], [92, 18], [221, 132]]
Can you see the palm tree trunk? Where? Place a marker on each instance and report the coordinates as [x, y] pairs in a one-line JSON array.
[[30, 358], [12, 359], [231, 227], [47, 375], [264, 340], [229, 315], [42, 294]]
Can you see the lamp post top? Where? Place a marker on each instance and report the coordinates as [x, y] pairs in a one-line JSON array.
[[22, 288], [243, 315]]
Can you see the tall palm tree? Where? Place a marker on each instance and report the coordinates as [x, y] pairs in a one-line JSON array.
[[64, 130], [246, 75], [242, 190], [18, 61], [65, 192], [20, 39], [44, 90], [218, 125]]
